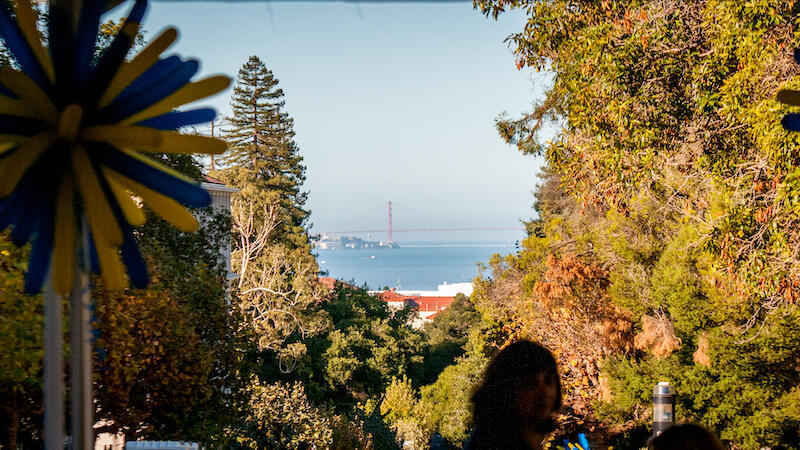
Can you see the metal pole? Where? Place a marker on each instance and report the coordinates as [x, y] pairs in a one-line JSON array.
[[663, 407], [82, 407], [53, 369], [53, 337]]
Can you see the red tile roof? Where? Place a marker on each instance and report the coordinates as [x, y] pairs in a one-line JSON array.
[[425, 304], [212, 180], [391, 296], [328, 282], [433, 303]]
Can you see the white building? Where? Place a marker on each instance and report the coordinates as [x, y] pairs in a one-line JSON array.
[[427, 303]]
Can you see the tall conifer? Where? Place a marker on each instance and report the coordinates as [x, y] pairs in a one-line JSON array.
[[263, 154], [277, 284]]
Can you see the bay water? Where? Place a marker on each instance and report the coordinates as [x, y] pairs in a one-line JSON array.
[[412, 266]]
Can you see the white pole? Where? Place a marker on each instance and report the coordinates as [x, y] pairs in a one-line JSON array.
[[82, 406], [53, 369]]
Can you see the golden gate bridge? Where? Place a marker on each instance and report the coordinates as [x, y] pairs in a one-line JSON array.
[[389, 230]]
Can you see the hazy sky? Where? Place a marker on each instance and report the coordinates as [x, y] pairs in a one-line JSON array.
[[391, 102]]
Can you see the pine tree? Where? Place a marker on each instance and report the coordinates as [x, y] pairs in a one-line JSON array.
[[277, 284], [263, 154]]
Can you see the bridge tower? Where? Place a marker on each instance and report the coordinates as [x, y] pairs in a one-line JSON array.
[[389, 229]]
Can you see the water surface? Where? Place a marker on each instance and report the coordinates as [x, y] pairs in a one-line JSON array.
[[415, 265]]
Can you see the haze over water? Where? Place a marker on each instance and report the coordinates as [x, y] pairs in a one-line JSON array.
[[413, 266]]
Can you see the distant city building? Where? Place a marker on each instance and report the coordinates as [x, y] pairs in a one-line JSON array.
[[349, 242], [427, 303], [220, 201], [444, 289]]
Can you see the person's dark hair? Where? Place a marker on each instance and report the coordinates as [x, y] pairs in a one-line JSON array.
[[522, 366], [685, 437]]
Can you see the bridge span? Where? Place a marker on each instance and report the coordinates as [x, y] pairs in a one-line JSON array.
[[389, 230]]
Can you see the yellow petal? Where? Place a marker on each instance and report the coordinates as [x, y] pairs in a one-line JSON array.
[[172, 211], [789, 97], [26, 18], [14, 138], [63, 260], [187, 94], [29, 93], [110, 266], [141, 138], [157, 165], [103, 224], [15, 165], [174, 142], [138, 65], [133, 214], [11, 107], [69, 121], [6, 146]]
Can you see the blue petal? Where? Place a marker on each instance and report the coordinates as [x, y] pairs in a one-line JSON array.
[[7, 92], [5, 212], [39, 260], [583, 441], [114, 55], [797, 55], [23, 227], [25, 219], [86, 36], [186, 193], [791, 122], [10, 206], [134, 262], [119, 110], [162, 68], [10, 212], [18, 45], [21, 126], [60, 43], [94, 261], [177, 119]]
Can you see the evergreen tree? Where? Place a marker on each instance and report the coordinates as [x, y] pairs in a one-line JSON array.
[[263, 154], [271, 248]]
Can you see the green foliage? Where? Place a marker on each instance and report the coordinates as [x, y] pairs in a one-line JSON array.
[[282, 417], [447, 335], [406, 414], [174, 346], [277, 283], [446, 401], [261, 138], [21, 350], [670, 171], [367, 346]]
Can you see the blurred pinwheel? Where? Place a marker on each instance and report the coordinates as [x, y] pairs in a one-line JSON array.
[[791, 122], [583, 443], [72, 125]]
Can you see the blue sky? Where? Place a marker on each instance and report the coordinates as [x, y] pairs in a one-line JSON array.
[[391, 102]]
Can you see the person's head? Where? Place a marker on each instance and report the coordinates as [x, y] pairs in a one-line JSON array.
[[520, 391], [685, 437]]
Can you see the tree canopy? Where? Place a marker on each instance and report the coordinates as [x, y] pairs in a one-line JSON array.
[[666, 235]]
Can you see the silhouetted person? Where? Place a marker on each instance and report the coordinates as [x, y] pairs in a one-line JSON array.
[[685, 437], [514, 406]]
